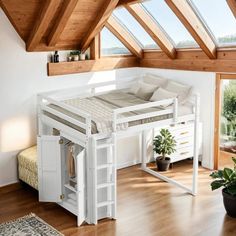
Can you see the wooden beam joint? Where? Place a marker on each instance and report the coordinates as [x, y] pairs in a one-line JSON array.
[[64, 15]]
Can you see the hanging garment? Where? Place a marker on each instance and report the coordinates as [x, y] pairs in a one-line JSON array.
[[71, 161]]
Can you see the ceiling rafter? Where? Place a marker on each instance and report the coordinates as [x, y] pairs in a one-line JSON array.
[[99, 23], [124, 36], [194, 25], [153, 29], [64, 15], [95, 47], [232, 5], [123, 2], [47, 12]]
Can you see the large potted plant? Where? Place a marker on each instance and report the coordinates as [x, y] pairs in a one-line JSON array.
[[164, 144], [226, 178]]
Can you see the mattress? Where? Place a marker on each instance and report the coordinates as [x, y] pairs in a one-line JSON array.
[[27, 166], [101, 109]]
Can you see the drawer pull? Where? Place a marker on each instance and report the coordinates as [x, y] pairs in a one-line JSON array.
[[183, 133], [183, 153], [184, 143]]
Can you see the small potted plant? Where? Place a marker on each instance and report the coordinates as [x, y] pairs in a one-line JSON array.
[[164, 144], [75, 55], [226, 178]]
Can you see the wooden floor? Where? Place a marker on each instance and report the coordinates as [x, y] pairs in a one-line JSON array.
[[146, 207], [225, 159]]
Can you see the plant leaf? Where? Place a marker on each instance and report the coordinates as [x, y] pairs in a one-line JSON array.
[[234, 160], [231, 190], [227, 173], [217, 174], [217, 184]]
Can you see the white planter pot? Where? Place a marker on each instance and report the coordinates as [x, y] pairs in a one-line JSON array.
[[82, 57], [76, 57]]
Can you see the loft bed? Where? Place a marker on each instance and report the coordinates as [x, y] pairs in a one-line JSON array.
[[94, 117]]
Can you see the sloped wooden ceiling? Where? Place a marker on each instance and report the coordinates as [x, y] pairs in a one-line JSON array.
[[47, 25], [58, 24]]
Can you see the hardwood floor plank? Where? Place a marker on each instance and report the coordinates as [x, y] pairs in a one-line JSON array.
[[146, 207]]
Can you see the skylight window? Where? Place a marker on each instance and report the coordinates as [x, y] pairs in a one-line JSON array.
[[134, 28], [110, 45], [164, 16], [219, 19]]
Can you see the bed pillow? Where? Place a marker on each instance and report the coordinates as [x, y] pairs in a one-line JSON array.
[[161, 94], [134, 88], [145, 90], [155, 79], [181, 90]]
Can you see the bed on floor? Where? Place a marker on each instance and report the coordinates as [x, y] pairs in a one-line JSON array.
[[27, 166]]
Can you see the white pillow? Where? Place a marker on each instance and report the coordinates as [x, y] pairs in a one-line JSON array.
[[161, 94], [155, 79], [134, 88], [145, 90], [181, 90]]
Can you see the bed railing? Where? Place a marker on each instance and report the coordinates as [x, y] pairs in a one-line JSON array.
[[172, 110], [47, 103], [84, 121]]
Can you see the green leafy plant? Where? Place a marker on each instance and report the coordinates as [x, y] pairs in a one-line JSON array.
[[76, 52], [225, 178], [164, 143], [229, 109]]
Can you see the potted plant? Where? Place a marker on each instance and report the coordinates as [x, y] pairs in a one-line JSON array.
[[164, 144], [226, 178], [75, 55]]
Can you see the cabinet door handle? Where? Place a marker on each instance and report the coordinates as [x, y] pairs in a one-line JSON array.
[[184, 143], [183, 153], [186, 132]]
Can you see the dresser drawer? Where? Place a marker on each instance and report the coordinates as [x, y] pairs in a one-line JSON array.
[[184, 142], [184, 132], [178, 131], [181, 154]]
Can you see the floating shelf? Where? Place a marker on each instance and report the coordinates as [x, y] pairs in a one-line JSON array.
[[73, 67]]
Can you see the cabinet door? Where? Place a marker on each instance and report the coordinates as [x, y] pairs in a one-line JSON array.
[[49, 168], [81, 187]]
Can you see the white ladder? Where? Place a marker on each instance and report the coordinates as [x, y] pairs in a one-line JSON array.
[[105, 208]]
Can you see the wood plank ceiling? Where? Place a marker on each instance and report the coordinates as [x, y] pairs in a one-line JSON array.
[[58, 24], [75, 24]]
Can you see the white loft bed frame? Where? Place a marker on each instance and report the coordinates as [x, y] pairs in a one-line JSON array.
[[90, 141]]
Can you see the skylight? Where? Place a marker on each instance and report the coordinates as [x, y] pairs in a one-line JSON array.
[[110, 45], [219, 19], [134, 28], [171, 24]]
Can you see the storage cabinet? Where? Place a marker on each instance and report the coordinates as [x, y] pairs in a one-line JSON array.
[[184, 136], [55, 184]]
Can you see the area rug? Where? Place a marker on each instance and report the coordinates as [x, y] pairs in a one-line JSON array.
[[29, 225]]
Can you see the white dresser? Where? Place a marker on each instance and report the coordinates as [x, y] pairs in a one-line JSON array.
[[184, 136]]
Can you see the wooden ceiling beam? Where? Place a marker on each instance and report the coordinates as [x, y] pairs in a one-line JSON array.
[[124, 2], [232, 5], [95, 47], [64, 15], [124, 36], [99, 23], [194, 25], [47, 12], [156, 32]]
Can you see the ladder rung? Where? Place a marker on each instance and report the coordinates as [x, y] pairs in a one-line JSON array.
[[106, 145], [104, 166], [101, 204], [105, 185]]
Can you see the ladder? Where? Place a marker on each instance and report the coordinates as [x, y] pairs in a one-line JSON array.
[[103, 190]]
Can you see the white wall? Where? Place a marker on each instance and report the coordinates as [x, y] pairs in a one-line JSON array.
[[204, 84], [23, 75]]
